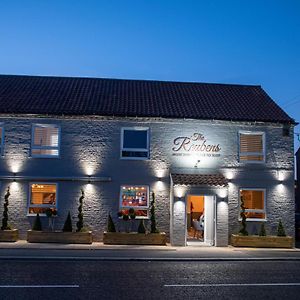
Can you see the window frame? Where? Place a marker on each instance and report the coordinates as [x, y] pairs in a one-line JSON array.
[[263, 153], [2, 140], [135, 128], [264, 211], [41, 205], [140, 207], [33, 147]]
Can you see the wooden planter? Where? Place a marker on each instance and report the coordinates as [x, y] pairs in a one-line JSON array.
[[59, 237], [134, 238], [262, 241], [9, 235]]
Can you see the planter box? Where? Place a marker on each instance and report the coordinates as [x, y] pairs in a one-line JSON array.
[[134, 238], [59, 237], [9, 235], [262, 241]]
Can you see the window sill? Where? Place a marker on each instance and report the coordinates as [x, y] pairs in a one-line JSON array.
[[134, 158], [44, 156], [252, 162], [254, 220]]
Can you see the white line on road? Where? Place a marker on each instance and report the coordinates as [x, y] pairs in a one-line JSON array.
[[39, 286], [233, 284]]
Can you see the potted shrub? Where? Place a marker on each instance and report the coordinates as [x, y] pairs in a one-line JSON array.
[[7, 233], [140, 237], [263, 240], [243, 239], [66, 236]]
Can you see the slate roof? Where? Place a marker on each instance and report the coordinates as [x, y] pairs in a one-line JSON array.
[[200, 179], [142, 98]]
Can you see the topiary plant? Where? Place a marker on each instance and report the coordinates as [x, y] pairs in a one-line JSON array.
[[5, 225], [152, 217], [262, 231], [79, 224], [110, 225], [243, 230], [141, 228], [280, 229], [37, 225], [68, 224]]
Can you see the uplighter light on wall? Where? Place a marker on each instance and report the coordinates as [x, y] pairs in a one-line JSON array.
[[280, 177]]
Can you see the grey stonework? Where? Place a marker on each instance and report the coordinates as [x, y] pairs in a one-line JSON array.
[[91, 145]]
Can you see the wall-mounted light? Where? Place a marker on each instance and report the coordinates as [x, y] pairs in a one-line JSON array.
[[197, 163]]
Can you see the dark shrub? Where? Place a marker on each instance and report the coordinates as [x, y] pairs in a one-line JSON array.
[[110, 225], [262, 231], [37, 225], [280, 229], [5, 225], [68, 224], [79, 224], [141, 228]]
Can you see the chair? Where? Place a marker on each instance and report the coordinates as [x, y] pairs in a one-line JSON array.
[[198, 229]]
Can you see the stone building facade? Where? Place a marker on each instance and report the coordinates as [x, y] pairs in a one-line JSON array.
[[120, 159]]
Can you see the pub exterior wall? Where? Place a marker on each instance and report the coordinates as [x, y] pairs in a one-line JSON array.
[[91, 146]]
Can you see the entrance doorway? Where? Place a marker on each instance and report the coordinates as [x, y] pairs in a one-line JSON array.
[[200, 220]]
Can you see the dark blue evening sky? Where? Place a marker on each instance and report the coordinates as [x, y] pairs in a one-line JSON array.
[[246, 42]]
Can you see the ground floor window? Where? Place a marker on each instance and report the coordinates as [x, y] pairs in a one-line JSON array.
[[255, 203], [136, 197], [43, 197]]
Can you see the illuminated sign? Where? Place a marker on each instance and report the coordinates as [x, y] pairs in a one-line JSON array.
[[196, 144]]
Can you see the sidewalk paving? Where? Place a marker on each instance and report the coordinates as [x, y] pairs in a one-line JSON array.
[[98, 251]]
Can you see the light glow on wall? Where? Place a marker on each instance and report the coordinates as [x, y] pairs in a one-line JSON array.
[[89, 188], [180, 191], [222, 193], [159, 186], [89, 169], [15, 166], [14, 186], [222, 207], [281, 176], [229, 175], [179, 207]]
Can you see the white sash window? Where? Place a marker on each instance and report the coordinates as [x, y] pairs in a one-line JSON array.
[[45, 141], [252, 146]]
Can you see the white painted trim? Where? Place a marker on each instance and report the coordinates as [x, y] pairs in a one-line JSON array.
[[33, 147], [263, 134], [146, 150], [214, 229], [254, 210], [41, 205]]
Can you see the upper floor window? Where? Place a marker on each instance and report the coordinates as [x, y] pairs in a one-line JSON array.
[[255, 203], [43, 197], [135, 143], [45, 140], [252, 146], [1, 139]]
